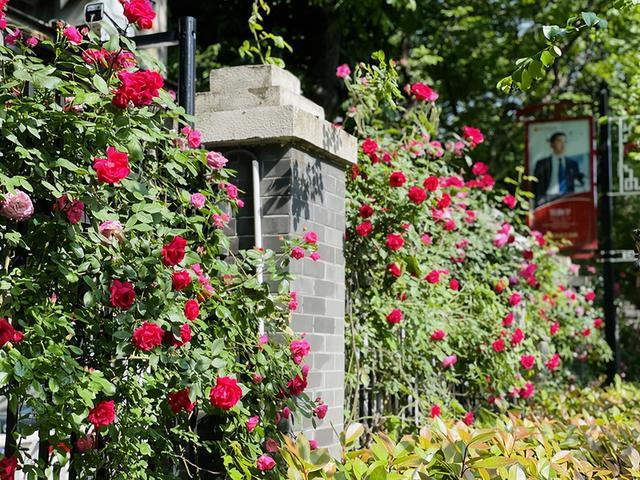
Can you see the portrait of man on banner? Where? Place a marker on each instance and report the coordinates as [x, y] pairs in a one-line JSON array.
[[559, 156]]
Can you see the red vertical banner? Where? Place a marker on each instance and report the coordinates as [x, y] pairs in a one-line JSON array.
[[560, 154]]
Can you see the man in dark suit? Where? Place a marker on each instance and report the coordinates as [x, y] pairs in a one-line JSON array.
[[557, 174]]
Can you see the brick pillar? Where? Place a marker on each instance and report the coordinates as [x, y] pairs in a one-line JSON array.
[[258, 113]]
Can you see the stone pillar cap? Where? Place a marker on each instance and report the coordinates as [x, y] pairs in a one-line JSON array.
[[262, 104]]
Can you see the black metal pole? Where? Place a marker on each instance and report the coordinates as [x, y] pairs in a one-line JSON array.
[[605, 212], [187, 82]]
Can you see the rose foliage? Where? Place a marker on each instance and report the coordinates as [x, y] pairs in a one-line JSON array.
[[454, 303], [123, 316]]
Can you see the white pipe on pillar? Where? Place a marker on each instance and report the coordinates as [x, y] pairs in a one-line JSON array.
[[257, 222]]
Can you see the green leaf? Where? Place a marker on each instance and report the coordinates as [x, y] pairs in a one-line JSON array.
[[100, 84]]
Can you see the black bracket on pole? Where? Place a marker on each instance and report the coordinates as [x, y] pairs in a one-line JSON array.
[[187, 81], [605, 210]]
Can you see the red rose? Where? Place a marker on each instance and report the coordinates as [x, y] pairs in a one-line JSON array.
[[431, 183], [553, 363], [365, 211], [510, 201], [438, 335], [185, 336], [433, 276], [435, 411], [173, 253], [444, 202], [137, 88], [364, 229], [103, 414], [139, 12], [394, 316], [417, 195], [74, 209], [180, 280], [297, 384], [527, 361], [515, 299], [191, 309], [321, 409], [179, 401], [8, 467], [394, 269], [226, 394], [468, 418], [473, 136], [369, 146], [148, 336], [480, 168], [397, 179], [394, 241], [8, 333], [498, 345], [113, 168], [454, 284], [86, 443], [517, 337], [122, 294], [423, 92]]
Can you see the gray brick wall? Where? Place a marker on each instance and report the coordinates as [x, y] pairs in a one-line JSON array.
[[300, 191]]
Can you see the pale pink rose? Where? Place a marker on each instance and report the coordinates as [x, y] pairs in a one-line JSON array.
[[198, 200], [216, 160], [112, 229], [343, 71], [16, 206], [72, 34], [252, 423], [220, 220], [449, 361]]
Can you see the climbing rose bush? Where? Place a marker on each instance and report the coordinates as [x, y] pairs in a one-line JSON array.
[[454, 303], [122, 318]]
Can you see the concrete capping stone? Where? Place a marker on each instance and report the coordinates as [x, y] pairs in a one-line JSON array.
[[223, 80], [261, 105]]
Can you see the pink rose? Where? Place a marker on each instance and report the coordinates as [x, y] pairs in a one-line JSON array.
[[13, 37], [72, 34], [321, 409], [198, 200], [498, 345], [468, 418], [311, 237], [216, 160], [315, 256], [32, 42], [271, 445], [74, 209], [449, 361], [299, 349], [252, 423], [16, 206], [515, 299], [194, 137], [343, 71], [265, 463], [297, 253]]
